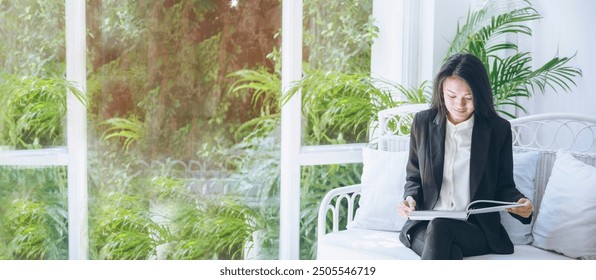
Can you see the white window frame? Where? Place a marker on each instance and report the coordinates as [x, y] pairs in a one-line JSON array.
[[293, 154], [74, 155], [291, 71], [76, 116]]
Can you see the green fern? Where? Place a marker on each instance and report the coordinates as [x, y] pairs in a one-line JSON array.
[[263, 86], [130, 129], [511, 76], [340, 105]]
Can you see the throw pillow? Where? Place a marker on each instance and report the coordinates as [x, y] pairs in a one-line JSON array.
[[566, 222], [382, 188], [524, 173]]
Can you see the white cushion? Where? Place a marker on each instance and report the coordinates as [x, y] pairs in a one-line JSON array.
[[566, 222], [522, 252], [524, 173], [382, 188], [362, 244]]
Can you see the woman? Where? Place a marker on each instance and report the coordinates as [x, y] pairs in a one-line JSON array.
[[460, 151]]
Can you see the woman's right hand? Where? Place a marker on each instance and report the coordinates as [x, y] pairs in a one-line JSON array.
[[407, 206]]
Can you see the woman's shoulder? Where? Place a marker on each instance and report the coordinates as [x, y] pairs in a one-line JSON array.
[[428, 114], [500, 122]]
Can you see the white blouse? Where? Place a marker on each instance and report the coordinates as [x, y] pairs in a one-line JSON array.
[[455, 190]]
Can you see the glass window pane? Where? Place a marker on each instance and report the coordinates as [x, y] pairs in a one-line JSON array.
[[33, 200], [337, 87], [33, 215], [336, 98], [32, 69], [183, 155]]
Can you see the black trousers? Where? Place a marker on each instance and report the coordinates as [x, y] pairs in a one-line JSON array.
[[444, 239]]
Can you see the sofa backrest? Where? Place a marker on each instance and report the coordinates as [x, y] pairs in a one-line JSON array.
[[549, 133], [546, 133], [394, 127]]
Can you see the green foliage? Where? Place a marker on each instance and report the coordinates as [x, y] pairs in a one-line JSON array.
[[164, 63], [129, 129], [213, 229], [342, 106], [149, 62], [120, 24], [146, 59], [416, 95], [32, 87], [33, 218], [32, 110], [141, 211], [124, 230], [120, 224], [263, 87], [338, 107], [32, 37], [339, 102], [257, 165], [256, 161], [39, 230], [510, 72], [338, 34], [483, 31]]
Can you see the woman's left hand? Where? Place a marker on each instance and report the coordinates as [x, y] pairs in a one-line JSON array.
[[525, 210]]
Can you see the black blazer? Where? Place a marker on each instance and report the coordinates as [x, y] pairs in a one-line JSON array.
[[491, 171]]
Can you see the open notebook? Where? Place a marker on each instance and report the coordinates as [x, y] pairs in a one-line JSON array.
[[475, 207]]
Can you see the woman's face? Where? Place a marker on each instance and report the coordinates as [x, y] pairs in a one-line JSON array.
[[458, 99]]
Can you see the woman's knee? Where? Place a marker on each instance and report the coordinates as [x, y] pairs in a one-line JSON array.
[[440, 227]]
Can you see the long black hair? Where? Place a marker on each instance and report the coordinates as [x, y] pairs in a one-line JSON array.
[[470, 69]]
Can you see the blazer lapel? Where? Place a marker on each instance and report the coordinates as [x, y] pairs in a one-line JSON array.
[[478, 154], [437, 153]]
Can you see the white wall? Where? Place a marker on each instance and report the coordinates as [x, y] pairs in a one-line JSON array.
[[387, 52], [414, 36], [567, 27], [439, 21]]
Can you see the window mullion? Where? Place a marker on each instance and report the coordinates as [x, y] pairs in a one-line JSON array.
[[76, 131]]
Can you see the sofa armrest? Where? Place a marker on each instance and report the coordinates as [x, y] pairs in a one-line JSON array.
[[332, 202]]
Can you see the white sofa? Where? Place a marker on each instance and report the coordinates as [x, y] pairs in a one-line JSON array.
[[569, 136]]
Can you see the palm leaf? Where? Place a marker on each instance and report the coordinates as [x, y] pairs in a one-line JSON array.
[[482, 32], [511, 77]]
